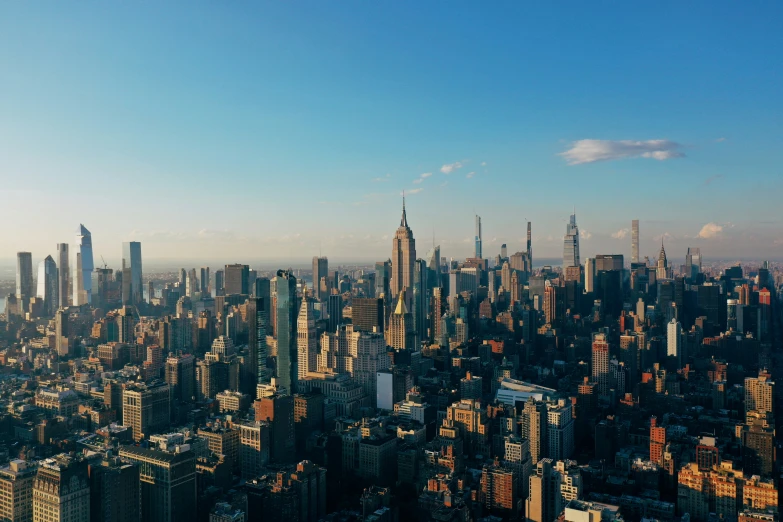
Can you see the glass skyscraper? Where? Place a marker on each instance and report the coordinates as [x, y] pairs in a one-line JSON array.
[[571, 244], [82, 267], [285, 329], [131, 260], [48, 285]]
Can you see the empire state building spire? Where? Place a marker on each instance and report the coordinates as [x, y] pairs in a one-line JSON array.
[[403, 256]]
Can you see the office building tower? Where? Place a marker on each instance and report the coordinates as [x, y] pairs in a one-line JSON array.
[[48, 286], [503, 251], [16, 488], [253, 448], [262, 288], [256, 371], [571, 244], [662, 267], [61, 490], [606, 262], [759, 397], [320, 269], [420, 302], [401, 335], [237, 279], [403, 257], [693, 262], [477, 253], [534, 428], [145, 408], [334, 309], [367, 314], [657, 441], [205, 289], [589, 274], [131, 262], [114, 490], [544, 502], [212, 376], [758, 449], [278, 412], [82, 267], [601, 362], [62, 332], [674, 341], [285, 330], [180, 375], [433, 264], [192, 285], [168, 490], [499, 490], [383, 279], [635, 241], [529, 245], [220, 287], [103, 289], [306, 339], [560, 430], [24, 276], [63, 275]]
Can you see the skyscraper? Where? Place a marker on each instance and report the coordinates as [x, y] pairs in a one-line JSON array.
[[529, 245], [61, 491], [285, 328], [662, 268], [206, 290], [320, 269], [48, 286], [131, 260], [403, 257], [168, 483], [477, 250], [601, 362], [420, 302], [220, 283], [307, 342], [82, 267], [693, 262], [16, 485], [635, 241], [63, 275], [589, 274], [24, 276], [571, 244], [237, 279], [401, 334], [145, 408], [674, 341]]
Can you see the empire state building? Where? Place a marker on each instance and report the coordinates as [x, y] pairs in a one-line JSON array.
[[403, 257]]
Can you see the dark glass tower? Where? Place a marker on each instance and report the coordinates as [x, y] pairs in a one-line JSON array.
[[285, 329]]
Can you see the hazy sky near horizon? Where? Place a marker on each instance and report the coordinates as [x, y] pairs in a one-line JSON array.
[[277, 129]]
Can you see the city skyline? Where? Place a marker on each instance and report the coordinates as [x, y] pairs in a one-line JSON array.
[[493, 124]]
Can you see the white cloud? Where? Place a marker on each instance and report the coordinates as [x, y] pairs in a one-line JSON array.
[[620, 234], [451, 167], [720, 140], [710, 231], [590, 151], [422, 177], [415, 191], [470, 175], [382, 179], [584, 234], [483, 163]]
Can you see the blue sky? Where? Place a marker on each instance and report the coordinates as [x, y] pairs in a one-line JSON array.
[[275, 129]]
